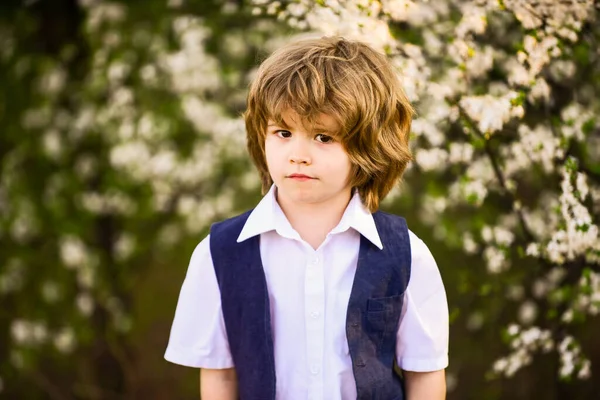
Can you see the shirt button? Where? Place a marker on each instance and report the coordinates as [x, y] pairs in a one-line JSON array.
[[314, 314], [315, 260], [314, 369]]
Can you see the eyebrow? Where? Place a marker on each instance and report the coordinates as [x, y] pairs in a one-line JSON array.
[[316, 128]]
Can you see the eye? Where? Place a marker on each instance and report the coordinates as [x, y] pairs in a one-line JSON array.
[[283, 134], [324, 138]]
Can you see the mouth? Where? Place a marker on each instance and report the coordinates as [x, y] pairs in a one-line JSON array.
[[300, 177]]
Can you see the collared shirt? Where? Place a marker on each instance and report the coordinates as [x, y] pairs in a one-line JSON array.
[[309, 292]]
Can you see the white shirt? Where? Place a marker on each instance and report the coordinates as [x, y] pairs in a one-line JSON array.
[[309, 292]]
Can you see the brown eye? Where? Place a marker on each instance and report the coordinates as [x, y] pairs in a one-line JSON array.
[[283, 134], [324, 138]]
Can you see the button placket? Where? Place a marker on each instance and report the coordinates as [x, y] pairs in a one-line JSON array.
[[314, 302]]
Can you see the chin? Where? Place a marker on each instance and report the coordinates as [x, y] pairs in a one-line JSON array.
[[301, 195], [306, 198]]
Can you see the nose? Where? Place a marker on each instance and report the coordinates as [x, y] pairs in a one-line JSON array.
[[300, 153]]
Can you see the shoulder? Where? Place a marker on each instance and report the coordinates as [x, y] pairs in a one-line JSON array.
[[218, 230], [420, 251], [425, 274], [226, 232], [418, 248], [385, 217], [390, 227], [232, 224], [201, 254], [421, 257], [224, 236]]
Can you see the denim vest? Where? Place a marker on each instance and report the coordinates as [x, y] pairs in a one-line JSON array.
[[372, 317]]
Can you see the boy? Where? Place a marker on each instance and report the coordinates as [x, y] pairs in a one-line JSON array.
[[313, 294]]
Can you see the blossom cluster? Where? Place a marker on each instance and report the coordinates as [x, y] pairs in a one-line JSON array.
[[494, 126], [451, 72], [524, 343], [139, 170]]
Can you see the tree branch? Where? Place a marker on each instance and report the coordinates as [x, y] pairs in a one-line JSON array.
[[499, 175]]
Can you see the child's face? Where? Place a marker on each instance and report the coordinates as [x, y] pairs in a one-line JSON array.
[[307, 167]]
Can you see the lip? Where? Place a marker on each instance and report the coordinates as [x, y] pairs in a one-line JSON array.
[[300, 177]]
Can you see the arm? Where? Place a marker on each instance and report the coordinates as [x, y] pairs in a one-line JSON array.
[[425, 385], [218, 384], [198, 336], [422, 340]]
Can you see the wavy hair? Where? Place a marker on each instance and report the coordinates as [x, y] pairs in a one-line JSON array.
[[349, 81]]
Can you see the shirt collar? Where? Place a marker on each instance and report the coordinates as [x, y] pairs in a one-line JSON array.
[[268, 216], [262, 218], [359, 218]]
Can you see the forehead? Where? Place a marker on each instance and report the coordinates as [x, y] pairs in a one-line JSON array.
[[290, 119]]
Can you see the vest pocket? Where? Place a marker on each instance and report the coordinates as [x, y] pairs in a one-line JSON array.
[[383, 314]]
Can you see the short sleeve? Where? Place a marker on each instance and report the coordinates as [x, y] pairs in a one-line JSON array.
[[422, 338], [198, 337]]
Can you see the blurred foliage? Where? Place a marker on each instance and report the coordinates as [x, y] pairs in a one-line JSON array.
[[120, 144]]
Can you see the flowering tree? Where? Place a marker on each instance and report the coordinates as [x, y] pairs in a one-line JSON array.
[[507, 137], [120, 144]]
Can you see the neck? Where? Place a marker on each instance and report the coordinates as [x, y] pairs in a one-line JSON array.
[[313, 221]]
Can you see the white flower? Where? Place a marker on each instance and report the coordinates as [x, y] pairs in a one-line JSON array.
[[475, 321], [531, 335], [496, 259], [53, 81], [398, 10], [539, 91], [64, 340], [72, 252], [585, 371], [469, 244], [567, 316], [572, 241], [487, 234], [460, 153], [21, 331], [473, 20], [490, 112], [480, 62], [533, 250], [528, 312], [475, 189], [124, 246], [513, 329], [503, 237], [52, 144], [582, 186], [500, 365], [431, 159], [85, 304], [174, 3], [148, 73]]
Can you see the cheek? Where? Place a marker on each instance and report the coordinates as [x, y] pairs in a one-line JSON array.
[[342, 162], [348, 170], [270, 153]]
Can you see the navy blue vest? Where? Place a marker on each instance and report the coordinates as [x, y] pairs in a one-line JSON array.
[[372, 318]]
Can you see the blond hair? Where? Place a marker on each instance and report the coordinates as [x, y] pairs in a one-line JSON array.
[[349, 81]]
